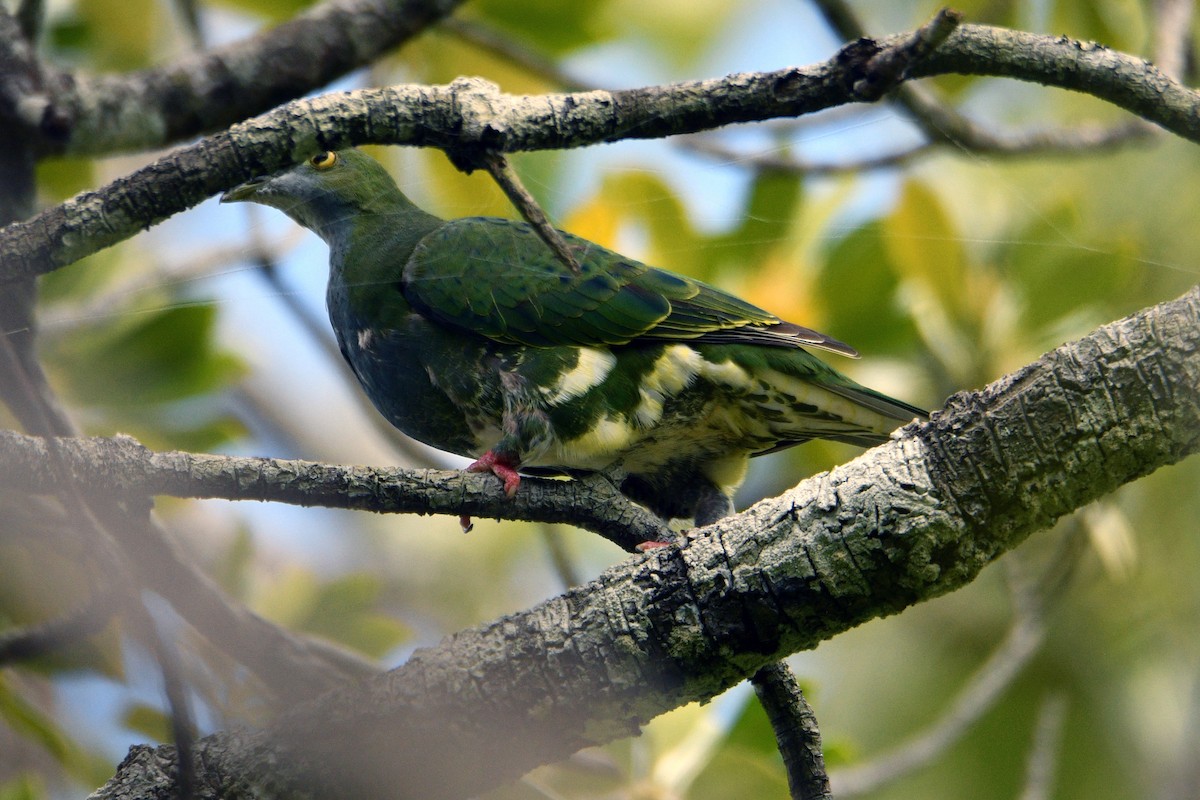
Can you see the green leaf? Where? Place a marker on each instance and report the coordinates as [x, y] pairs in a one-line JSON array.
[[61, 178], [552, 26], [857, 290], [342, 610], [1056, 281], [232, 569], [746, 764], [31, 723], [122, 35], [641, 204], [85, 278], [767, 220], [1120, 24], [150, 722], [43, 576], [157, 357], [24, 787], [273, 10], [752, 730], [649, 203], [734, 772], [178, 427], [68, 34], [924, 245], [679, 33]]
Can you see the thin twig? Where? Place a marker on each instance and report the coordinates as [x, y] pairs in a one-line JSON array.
[[33, 641], [944, 125], [1020, 644], [192, 25], [121, 297], [559, 558], [790, 164], [890, 66], [841, 19], [1042, 763], [470, 114], [796, 731], [502, 172], [31, 14], [183, 726], [121, 465], [23, 79]]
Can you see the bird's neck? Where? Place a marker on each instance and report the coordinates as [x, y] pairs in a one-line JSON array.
[[396, 228], [381, 219], [370, 248]]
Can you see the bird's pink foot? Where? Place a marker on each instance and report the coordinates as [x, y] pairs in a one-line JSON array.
[[502, 467], [647, 546]]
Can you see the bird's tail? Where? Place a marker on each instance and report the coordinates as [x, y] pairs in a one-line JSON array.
[[867, 423]]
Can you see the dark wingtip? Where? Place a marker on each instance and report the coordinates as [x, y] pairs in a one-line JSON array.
[[808, 336]]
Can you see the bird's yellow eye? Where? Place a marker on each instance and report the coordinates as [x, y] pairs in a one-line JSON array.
[[324, 160]]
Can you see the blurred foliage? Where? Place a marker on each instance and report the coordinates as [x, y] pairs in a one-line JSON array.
[[945, 275], [151, 722], [26, 787], [340, 609], [553, 27], [40, 727]]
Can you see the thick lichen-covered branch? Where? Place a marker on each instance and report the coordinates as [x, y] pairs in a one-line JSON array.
[[906, 522]]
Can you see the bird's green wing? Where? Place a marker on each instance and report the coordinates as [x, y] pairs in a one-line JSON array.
[[497, 278]]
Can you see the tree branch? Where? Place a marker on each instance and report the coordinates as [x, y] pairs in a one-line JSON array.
[[473, 113], [796, 730], [122, 466], [908, 521], [206, 91], [944, 125], [510, 183], [1041, 765]]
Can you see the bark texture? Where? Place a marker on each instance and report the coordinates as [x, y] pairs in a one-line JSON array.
[[470, 117], [906, 522]]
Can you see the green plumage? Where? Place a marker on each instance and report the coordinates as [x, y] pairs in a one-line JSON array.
[[470, 335]]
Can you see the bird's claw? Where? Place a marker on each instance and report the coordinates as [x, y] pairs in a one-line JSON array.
[[500, 466]]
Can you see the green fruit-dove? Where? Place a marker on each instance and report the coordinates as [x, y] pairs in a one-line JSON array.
[[472, 336]]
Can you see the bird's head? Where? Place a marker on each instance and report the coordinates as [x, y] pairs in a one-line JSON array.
[[320, 192]]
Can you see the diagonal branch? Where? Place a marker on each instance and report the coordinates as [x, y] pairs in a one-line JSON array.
[[908, 521], [508, 180], [209, 90]]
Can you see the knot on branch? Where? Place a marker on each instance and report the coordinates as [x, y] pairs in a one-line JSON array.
[[876, 70], [477, 102], [125, 447]]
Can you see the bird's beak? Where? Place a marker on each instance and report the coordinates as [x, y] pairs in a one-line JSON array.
[[243, 191]]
